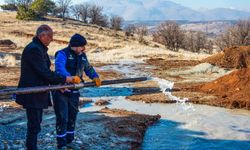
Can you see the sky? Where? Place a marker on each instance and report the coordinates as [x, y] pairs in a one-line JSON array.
[[206, 4]]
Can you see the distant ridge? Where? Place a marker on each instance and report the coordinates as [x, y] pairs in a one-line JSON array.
[[165, 10]]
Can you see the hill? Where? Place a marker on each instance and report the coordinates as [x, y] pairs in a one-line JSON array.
[[165, 10]]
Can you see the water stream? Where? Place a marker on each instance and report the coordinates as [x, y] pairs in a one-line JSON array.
[[183, 125]]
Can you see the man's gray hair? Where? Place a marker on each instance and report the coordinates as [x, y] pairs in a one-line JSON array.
[[43, 29]]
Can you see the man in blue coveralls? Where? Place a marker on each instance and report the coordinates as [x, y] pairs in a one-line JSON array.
[[70, 61]]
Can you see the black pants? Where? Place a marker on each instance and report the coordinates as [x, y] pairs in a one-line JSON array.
[[66, 109], [34, 117]]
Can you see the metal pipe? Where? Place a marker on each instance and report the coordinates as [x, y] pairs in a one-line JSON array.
[[39, 89]]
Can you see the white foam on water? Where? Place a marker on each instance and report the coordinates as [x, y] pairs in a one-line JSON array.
[[3, 107], [166, 87]]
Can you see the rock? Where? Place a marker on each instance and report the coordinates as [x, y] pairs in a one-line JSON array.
[[101, 103], [79, 142], [7, 43]]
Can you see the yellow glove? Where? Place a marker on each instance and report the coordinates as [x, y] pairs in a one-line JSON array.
[[76, 80], [97, 81]]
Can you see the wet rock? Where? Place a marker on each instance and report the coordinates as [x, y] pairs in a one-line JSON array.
[[7, 43], [101, 103]]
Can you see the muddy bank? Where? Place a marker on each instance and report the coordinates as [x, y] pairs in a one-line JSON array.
[[130, 125], [106, 129], [231, 90], [217, 87]]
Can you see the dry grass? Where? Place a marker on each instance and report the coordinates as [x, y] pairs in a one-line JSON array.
[[115, 45], [21, 33]]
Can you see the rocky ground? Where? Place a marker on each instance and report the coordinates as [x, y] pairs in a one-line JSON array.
[[105, 129]]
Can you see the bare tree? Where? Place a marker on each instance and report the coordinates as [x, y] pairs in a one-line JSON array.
[[241, 32], [76, 11], [200, 41], [116, 22], [96, 16], [224, 40], [103, 21], [63, 6], [130, 29], [188, 42], [209, 46], [141, 31], [197, 41], [84, 12], [237, 35], [169, 34]]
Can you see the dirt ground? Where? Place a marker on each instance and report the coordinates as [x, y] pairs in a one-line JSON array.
[[106, 129]]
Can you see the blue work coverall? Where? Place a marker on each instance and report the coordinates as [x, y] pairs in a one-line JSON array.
[[68, 63]]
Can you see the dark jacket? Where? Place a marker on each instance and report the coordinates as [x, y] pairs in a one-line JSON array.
[[35, 71], [68, 63]]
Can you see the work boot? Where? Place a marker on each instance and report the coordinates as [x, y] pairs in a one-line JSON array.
[[73, 146]]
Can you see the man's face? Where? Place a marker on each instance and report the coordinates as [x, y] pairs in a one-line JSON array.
[[46, 38], [78, 50]]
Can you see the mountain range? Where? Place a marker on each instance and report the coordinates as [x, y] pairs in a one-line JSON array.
[[165, 10]]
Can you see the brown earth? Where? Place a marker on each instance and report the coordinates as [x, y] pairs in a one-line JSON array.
[[130, 125], [234, 57], [233, 89]]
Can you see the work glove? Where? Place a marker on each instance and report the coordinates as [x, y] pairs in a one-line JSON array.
[[76, 80], [97, 81]]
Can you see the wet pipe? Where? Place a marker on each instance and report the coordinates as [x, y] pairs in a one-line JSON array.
[[38, 89]]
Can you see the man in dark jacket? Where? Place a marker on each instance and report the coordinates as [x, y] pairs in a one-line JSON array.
[[35, 71], [71, 61]]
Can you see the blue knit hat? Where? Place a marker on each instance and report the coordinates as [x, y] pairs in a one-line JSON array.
[[77, 41]]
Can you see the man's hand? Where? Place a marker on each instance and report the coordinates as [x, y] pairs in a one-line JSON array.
[[97, 81], [64, 90], [76, 80], [69, 79]]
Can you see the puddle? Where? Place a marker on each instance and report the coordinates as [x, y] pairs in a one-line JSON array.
[[183, 125]]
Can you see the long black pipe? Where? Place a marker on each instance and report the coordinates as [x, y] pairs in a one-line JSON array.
[[39, 89]]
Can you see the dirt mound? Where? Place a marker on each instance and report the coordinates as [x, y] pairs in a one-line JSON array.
[[234, 88], [234, 57]]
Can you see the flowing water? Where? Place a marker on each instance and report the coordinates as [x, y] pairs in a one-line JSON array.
[[182, 125]]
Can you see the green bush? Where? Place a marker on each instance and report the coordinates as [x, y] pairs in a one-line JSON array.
[[36, 10], [25, 13], [42, 7]]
